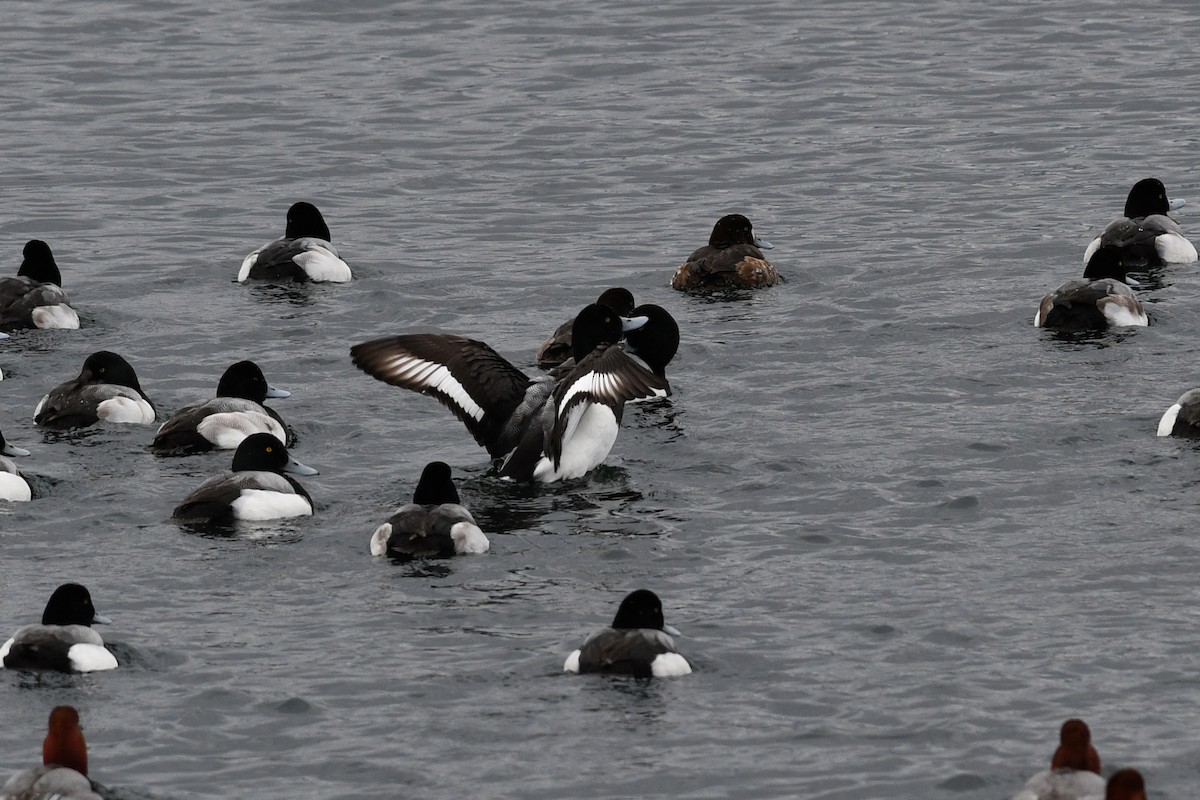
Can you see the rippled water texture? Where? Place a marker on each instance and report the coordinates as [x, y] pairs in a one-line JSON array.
[[904, 533]]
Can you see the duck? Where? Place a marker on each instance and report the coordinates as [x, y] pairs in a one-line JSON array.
[[1146, 236], [64, 769], [64, 641], [34, 298], [305, 252], [1101, 298], [637, 643], [12, 486], [107, 389], [433, 525], [732, 259], [653, 345], [1125, 784], [255, 489], [544, 429], [557, 349], [223, 422], [1074, 772], [1183, 417]]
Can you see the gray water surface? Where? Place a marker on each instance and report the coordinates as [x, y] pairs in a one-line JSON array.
[[905, 534]]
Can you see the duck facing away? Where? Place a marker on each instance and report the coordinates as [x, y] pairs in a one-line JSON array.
[[732, 259], [1125, 784], [544, 429], [64, 769], [1074, 772], [1146, 236], [255, 489], [12, 486], [557, 349], [107, 389], [433, 525], [637, 643], [1101, 298], [1183, 417], [224, 422], [64, 640], [305, 252], [34, 298]]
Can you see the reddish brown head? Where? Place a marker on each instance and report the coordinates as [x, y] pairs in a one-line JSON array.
[[1075, 748], [64, 744], [1125, 784]]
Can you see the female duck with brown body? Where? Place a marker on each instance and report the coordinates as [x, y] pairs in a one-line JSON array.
[[1101, 298], [64, 769], [1146, 236], [433, 525], [305, 252], [224, 422], [1074, 772], [545, 429], [107, 389], [64, 640], [34, 298], [732, 259]]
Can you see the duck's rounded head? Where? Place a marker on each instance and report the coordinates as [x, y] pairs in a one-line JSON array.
[[64, 745], [1125, 784], [1075, 748], [1107, 262], [1147, 197], [657, 341], [71, 604], [435, 486], [263, 452], [303, 219], [38, 263], [106, 366], [595, 325], [618, 299], [734, 229], [640, 609], [245, 380]]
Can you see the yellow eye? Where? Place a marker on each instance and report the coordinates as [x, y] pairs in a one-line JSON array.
[[270, 449]]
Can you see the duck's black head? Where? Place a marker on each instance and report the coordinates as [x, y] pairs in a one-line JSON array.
[[39, 264], [71, 604], [640, 609], [106, 366], [303, 219], [1147, 197], [435, 486]]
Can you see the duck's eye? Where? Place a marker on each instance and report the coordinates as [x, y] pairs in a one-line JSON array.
[[270, 450]]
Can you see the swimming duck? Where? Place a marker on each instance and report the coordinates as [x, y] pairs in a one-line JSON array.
[[638, 643], [557, 349], [64, 769], [34, 298], [1074, 772], [1125, 784], [433, 525], [107, 389], [64, 641], [255, 489], [304, 253], [653, 345], [732, 259], [1182, 418], [223, 422], [1146, 236], [544, 429], [1100, 299], [12, 485]]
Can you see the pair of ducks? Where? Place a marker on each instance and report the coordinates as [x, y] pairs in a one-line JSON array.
[[637, 643], [1144, 237], [1074, 772]]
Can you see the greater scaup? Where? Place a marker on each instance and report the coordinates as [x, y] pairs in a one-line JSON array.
[[1146, 236], [732, 259], [637, 643], [433, 525], [64, 641], [107, 389], [557, 349], [12, 485], [653, 345], [1100, 299], [1074, 772], [545, 430], [34, 298], [304, 253], [1183, 417], [225, 421], [255, 489], [64, 769]]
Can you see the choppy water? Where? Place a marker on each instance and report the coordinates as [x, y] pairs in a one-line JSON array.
[[905, 534]]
